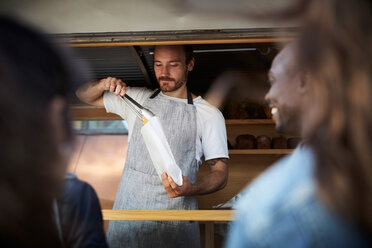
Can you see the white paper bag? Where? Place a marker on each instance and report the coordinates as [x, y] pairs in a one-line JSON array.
[[159, 149]]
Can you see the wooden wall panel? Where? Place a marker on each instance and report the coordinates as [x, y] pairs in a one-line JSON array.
[[242, 170], [101, 163], [79, 145]]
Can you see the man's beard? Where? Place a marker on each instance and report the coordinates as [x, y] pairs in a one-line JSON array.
[[165, 86], [288, 122]]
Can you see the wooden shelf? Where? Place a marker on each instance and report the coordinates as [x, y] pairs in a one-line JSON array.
[[249, 122], [86, 112], [260, 151]]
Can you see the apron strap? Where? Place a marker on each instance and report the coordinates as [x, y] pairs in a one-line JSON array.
[[189, 96], [155, 94]]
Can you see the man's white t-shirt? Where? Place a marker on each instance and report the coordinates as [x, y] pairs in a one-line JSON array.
[[211, 140]]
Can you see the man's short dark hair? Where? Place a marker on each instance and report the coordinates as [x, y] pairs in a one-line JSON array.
[[189, 53]]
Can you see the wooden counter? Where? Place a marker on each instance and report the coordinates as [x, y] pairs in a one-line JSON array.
[[207, 217], [169, 215]]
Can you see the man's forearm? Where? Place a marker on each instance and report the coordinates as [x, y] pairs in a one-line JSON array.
[[214, 181], [91, 93], [208, 184]]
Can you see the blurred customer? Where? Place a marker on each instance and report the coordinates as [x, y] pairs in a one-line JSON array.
[[319, 196], [78, 215], [36, 141], [335, 49]]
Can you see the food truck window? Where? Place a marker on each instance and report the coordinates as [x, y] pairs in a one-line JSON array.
[[100, 127]]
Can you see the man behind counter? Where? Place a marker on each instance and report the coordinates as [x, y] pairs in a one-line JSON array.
[[193, 128]]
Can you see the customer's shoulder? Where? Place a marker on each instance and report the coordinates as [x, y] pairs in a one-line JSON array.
[[287, 183], [275, 207], [73, 189], [283, 202]]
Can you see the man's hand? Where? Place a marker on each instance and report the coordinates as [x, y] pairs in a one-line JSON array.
[[92, 93], [215, 180], [173, 190], [114, 85]]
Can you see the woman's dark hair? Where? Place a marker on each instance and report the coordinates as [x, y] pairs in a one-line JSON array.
[[335, 48], [32, 73]]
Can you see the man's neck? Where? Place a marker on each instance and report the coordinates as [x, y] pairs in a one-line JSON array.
[[179, 93]]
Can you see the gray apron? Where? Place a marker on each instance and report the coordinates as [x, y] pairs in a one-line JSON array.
[[141, 188]]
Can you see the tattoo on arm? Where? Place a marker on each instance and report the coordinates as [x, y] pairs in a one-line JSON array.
[[87, 85], [84, 87], [96, 82], [213, 162]]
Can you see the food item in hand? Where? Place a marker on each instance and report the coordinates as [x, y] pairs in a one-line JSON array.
[[292, 143], [279, 142], [245, 141], [263, 142]]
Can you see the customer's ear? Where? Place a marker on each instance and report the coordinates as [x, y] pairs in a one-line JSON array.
[[304, 83]]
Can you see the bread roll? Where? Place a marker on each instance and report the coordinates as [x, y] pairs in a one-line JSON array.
[[254, 111], [279, 143], [244, 110], [268, 112], [245, 141], [293, 142], [263, 142]]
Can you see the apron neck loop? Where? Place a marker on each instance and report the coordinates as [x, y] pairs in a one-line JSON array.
[[155, 94], [189, 96]]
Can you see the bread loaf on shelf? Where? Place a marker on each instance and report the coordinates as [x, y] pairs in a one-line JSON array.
[[292, 143], [255, 111], [268, 112], [245, 110], [245, 141], [279, 142], [263, 142], [236, 110]]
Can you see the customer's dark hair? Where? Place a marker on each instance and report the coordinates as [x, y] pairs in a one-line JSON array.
[[32, 73], [335, 48]]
